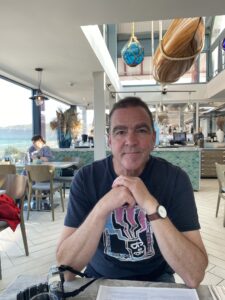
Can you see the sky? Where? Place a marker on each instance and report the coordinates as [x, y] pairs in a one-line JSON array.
[[17, 109], [15, 104]]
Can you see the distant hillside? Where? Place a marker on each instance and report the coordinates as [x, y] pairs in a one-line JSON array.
[[15, 132], [20, 132]]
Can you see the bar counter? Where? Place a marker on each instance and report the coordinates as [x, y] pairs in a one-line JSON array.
[[188, 158]]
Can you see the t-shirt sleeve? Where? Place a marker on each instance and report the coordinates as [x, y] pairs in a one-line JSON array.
[[79, 205], [182, 209]]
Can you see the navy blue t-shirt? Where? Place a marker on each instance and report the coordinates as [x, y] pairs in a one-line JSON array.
[[128, 247]]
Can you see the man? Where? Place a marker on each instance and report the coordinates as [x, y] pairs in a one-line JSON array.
[[131, 215]]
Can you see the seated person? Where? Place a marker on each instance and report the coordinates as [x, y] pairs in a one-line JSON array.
[[39, 149], [198, 136], [132, 215]]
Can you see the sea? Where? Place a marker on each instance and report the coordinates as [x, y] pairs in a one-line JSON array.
[[15, 140]]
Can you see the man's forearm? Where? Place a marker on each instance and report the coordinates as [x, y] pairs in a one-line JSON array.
[[185, 253], [78, 248]]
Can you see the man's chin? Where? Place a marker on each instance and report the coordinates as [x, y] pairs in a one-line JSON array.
[[132, 168]]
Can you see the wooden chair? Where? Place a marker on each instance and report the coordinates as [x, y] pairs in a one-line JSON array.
[[220, 171], [41, 179], [7, 169], [15, 186], [66, 175]]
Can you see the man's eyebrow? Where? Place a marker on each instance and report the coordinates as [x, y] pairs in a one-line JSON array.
[[123, 127], [119, 127], [143, 125]]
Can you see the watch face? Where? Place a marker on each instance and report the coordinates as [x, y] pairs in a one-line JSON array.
[[162, 211]]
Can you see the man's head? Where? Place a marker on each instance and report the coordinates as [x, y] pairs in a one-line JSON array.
[[131, 135], [131, 102]]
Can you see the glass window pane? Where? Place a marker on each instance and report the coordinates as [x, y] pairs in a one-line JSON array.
[[218, 26], [15, 120], [48, 114], [215, 62], [223, 59], [202, 67]]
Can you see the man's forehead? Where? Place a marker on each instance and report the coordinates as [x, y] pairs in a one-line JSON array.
[[127, 113]]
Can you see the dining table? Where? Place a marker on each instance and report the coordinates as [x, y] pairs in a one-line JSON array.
[[90, 293], [56, 164]]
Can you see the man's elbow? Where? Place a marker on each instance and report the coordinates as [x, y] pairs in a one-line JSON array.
[[194, 280]]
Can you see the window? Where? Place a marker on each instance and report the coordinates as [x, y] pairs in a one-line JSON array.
[[15, 120], [202, 67], [215, 62], [218, 26], [48, 114]]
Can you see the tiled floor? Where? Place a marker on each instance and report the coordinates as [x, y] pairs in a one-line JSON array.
[[43, 233]]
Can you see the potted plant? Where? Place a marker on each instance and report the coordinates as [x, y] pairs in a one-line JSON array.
[[220, 121], [68, 126]]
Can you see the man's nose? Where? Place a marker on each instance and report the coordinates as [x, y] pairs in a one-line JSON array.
[[131, 137]]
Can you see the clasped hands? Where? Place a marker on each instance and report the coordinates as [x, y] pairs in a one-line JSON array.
[[129, 191]]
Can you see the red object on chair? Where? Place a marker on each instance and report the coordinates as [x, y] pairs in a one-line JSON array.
[[9, 212]]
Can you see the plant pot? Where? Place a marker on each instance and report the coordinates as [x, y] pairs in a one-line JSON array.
[[220, 135], [64, 140]]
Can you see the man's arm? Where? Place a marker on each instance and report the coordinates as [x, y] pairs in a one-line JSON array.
[[184, 252], [77, 245]]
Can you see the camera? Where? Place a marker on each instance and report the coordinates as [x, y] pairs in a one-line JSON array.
[[54, 286]]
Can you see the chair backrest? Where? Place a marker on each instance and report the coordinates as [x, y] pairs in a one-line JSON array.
[[220, 171], [40, 173], [14, 184], [7, 169]]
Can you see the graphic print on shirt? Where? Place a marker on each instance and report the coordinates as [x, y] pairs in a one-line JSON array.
[[128, 235]]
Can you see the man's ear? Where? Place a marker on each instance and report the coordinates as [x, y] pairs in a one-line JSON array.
[[109, 140], [153, 139]]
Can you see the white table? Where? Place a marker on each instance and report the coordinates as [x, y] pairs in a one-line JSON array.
[[2, 192], [56, 164], [90, 293]]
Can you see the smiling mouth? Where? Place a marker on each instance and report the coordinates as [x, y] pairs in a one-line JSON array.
[[132, 153]]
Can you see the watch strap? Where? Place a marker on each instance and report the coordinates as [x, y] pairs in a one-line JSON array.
[[153, 217], [158, 214]]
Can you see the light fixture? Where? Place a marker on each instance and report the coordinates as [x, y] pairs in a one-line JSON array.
[[189, 107], [162, 108], [39, 97]]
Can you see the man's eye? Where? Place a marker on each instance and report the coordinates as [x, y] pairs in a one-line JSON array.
[[142, 130], [119, 132]]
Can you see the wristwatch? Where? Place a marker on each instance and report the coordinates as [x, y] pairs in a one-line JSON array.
[[160, 213]]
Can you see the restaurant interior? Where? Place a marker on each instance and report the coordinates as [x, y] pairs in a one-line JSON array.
[[71, 55]]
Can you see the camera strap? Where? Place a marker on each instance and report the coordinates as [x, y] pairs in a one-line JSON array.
[[63, 294], [58, 289]]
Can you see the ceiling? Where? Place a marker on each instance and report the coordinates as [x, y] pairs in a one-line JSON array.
[[47, 34]]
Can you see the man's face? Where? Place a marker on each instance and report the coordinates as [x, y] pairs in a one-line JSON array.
[[131, 140]]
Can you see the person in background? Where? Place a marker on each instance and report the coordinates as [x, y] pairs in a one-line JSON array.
[[39, 149], [132, 215], [199, 136]]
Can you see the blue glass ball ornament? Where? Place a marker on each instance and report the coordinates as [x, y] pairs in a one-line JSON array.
[[132, 53], [223, 44]]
